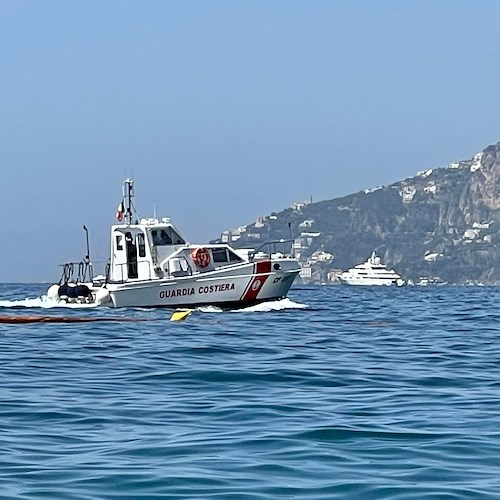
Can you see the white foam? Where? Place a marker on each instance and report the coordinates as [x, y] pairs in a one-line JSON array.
[[275, 305], [43, 302], [209, 309]]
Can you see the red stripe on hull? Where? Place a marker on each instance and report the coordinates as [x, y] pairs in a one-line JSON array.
[[257, 281]]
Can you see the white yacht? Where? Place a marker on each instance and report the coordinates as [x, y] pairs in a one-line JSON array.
[[151, 265], [371, 272]]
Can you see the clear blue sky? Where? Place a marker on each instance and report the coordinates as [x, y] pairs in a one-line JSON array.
[[224, 111]]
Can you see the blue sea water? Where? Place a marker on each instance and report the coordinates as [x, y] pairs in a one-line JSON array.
[[337, 392]]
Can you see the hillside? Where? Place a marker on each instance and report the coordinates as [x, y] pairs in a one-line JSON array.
[[442, 224]]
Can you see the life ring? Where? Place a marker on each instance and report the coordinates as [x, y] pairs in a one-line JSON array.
[[201, 257]]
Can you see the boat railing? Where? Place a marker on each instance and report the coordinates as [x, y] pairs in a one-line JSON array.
[[268, 248], [124, 271], [174, 269], [77, 272]]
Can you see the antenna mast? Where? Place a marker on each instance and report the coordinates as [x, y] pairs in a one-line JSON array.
[[128, 194]]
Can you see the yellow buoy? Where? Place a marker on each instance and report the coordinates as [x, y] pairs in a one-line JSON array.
[[180, 314]]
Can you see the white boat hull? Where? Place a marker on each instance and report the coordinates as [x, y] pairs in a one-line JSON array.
[[245, 285], [368, 281]]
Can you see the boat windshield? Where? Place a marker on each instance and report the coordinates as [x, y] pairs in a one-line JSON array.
[[220, 255], [166, 236]]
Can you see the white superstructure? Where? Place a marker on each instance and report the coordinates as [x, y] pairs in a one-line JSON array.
[[151, 265], [371, 272]]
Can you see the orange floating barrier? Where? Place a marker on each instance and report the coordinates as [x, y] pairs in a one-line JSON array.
[[61, 319]]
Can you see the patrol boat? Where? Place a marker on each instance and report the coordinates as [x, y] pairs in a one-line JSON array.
[[151, 265]]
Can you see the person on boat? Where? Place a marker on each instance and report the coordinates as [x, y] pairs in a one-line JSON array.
[[162, 238], [131, 255]]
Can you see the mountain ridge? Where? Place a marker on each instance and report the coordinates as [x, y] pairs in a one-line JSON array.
[[442, 224]]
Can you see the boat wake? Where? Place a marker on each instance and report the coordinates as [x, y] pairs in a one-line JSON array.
[[275, 305], [209, 309], [43, 302]]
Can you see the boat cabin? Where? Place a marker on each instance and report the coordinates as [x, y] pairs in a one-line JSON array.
[[152, 249]]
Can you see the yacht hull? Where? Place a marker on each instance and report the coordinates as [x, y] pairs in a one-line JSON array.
[[367, 282]]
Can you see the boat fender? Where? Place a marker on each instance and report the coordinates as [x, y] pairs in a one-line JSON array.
[[64, 289], [201, 257], [73, 291], [52, 292], [102, 296], [82, 291]]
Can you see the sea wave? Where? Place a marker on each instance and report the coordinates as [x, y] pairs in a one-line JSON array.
[[386, 393]]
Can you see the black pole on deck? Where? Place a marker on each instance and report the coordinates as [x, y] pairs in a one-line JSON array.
[[87, 257]]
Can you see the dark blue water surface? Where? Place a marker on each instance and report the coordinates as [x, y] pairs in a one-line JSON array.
[[366, 393]]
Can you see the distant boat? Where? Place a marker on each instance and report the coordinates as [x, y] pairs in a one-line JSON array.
[[425, 281], [369, 273]]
